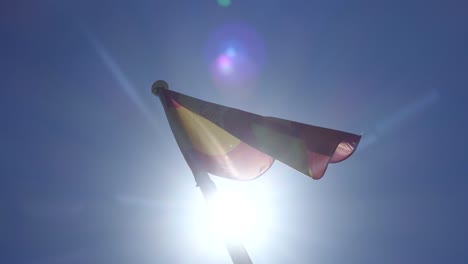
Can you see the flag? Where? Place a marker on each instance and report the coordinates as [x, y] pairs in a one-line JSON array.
[[239, 145]]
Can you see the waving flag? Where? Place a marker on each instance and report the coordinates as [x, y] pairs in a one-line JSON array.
[[239, 145]]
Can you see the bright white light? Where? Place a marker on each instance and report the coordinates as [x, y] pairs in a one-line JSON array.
[[238, 212], [233, 215]]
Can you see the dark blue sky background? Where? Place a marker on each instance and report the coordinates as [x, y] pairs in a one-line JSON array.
[[90, 172]]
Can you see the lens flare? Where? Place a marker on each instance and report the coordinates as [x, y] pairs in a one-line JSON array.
[[225, 64], [224, 3], [235, 53], [231, 52]]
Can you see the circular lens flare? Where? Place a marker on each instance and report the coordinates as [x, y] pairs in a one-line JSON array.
[[231, 52], [236, 54], [224, 3], [225, 64]]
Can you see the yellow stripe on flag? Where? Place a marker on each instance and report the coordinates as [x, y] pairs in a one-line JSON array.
[[205, 136]]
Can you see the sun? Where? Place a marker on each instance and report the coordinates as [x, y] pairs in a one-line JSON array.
[[238, 213], [233, 215]]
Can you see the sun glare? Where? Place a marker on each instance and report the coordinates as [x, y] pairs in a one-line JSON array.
[[233, 215], [238, 212]]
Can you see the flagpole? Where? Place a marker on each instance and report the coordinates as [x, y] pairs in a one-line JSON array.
[[236, 249]]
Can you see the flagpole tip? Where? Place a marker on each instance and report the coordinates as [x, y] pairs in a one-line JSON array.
[[159, 84]]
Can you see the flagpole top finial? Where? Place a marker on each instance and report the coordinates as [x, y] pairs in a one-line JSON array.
[[159, 84]]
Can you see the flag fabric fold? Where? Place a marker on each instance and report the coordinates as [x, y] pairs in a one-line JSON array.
[[239, 145]]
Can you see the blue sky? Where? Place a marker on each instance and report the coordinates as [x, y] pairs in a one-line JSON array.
[[90, 172]]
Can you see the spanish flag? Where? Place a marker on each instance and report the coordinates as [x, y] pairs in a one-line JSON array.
[[239, 145]]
